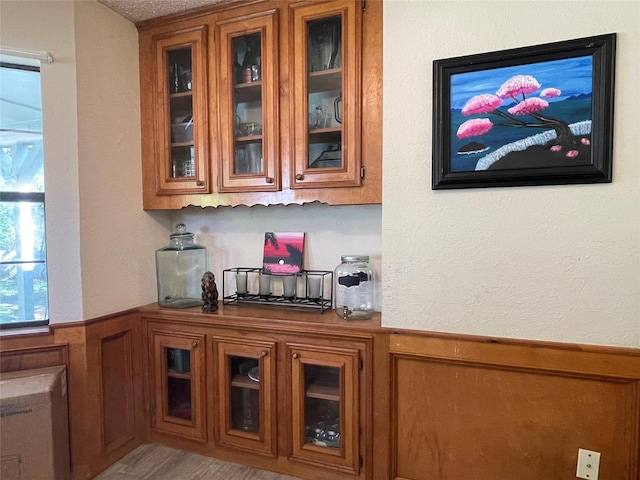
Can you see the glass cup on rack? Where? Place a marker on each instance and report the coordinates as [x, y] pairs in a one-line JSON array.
[[241, 162], [264, 285], [313, 285], [319, 117], [241, 283], [289, 286], [254, 157]]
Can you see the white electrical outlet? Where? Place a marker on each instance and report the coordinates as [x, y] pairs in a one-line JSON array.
[[588, 464]]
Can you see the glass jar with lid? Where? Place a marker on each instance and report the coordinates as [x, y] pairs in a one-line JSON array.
[[354, 288], [179, 269]]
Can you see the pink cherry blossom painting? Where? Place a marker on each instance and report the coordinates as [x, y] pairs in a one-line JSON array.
[[528, 116]]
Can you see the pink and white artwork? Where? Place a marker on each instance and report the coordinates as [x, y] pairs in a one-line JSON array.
[[283, 252]]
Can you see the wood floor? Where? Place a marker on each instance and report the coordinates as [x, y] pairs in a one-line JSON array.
[[157, 462]]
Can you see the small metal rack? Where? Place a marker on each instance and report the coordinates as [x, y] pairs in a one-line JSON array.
[[312, 289]]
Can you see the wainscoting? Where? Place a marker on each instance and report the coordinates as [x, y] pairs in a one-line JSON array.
[[445, 407], [106, 390], [105, 383], [496, 410]]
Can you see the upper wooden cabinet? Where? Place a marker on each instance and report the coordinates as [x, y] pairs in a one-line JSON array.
[[180, 160], [326, 101], [248, 153], [263, 102]]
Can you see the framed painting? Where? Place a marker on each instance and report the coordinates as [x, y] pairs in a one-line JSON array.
[[535, 115], [283, 252]]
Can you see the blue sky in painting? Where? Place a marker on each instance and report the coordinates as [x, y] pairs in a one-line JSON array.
[[572, 76]]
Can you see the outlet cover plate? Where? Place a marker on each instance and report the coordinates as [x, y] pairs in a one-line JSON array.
[[588, 464]]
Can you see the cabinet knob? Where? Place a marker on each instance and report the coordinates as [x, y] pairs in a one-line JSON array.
[[199, 183], [263, 353], [269, 179], [194, 344], [299, 176], [295, 355]]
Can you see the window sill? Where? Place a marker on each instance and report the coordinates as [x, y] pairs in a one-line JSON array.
[[25, 332]]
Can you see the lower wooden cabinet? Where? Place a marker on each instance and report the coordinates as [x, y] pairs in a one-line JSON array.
[[289, 396], [325, 405], [245, 397], [178, 383]]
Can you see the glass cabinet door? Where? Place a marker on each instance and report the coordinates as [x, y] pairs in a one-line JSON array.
[[325, 416], [246, 391], [327, 105], [248, 96], [182, 160], [178, 383]]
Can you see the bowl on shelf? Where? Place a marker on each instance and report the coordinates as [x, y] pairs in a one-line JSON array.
[[248, 129]]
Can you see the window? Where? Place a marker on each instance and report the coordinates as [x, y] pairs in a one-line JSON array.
[[23, 265]]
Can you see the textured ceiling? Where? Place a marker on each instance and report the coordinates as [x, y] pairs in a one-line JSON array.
[[138, 10]]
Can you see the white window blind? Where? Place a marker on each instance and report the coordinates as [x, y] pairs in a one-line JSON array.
[[21, 56]]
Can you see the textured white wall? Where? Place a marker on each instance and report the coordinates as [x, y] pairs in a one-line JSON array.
[[557, 263], [100, 243], [234, 237], [117, 237], [48, 25]]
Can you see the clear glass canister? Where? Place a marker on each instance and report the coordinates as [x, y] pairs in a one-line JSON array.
[[354, 288], [179, 269]]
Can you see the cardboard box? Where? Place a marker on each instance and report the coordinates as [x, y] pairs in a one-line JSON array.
[[34, 427]]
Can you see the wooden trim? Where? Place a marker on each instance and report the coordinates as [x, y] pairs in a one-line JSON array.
[[102, 318], [378, 402], [30, 332], [33, 357], [566, 358]]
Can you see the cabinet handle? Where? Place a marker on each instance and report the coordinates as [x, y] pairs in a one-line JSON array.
[[199, 183], [295, 355], [269, 179], [263, 353], [194, 344], [299, 176]]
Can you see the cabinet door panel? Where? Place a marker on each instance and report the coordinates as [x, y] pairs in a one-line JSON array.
[[178, 384], [248, 158], [325, 424], [245, 413], [326, 94], [180, 80]]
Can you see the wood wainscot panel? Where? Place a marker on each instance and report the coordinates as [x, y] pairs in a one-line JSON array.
[[116, 371], [465, 408], [29, 358], [29, 348], [106, 390]]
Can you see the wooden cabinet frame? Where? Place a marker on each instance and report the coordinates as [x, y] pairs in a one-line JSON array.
[[346, 361], [265, 441], [282, 343], [301, 176], [285, 178], [161, 341], [265, 24], [166, 183]]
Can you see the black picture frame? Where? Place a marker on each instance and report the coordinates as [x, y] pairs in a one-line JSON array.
[[502, 82]]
